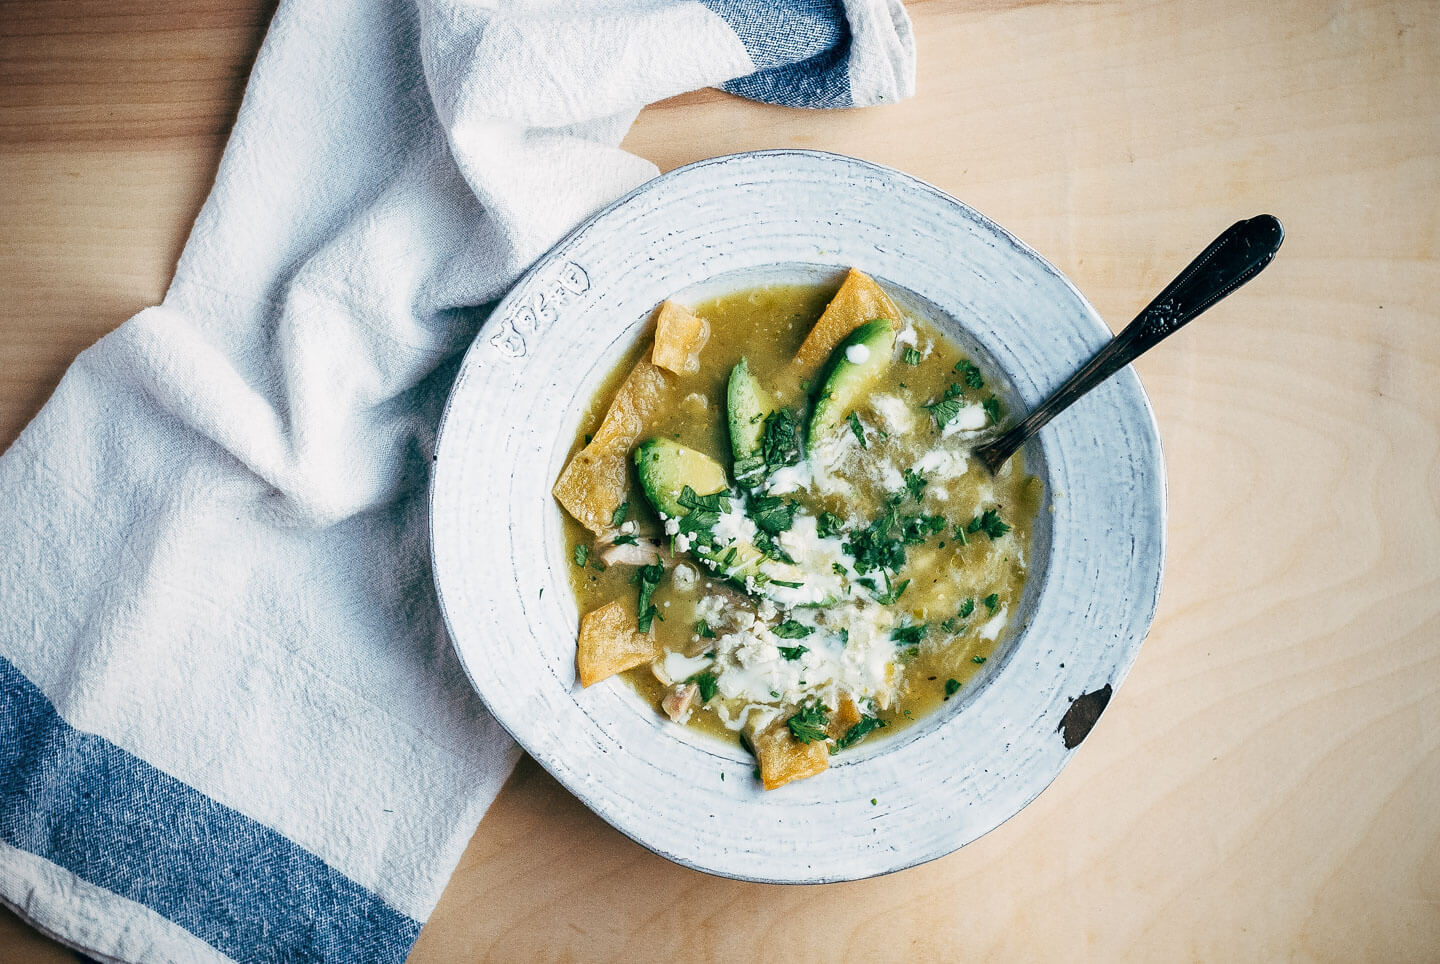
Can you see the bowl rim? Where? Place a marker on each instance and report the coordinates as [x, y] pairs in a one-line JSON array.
[[1147, 606]]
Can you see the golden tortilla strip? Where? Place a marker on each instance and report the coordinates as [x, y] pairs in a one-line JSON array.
[[846, 715], [610, 643], [593, 484], [680, 334], [784, 758], [859, 300]]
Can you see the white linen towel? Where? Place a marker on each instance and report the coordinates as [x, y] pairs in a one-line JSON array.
[[231, 724]]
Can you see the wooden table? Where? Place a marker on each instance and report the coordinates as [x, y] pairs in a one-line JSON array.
[[1267, 783]]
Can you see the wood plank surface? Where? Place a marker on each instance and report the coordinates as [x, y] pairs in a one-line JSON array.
[[1266, 784]]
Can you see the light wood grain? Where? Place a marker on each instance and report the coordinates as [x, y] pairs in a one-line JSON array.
[[1266, 785]]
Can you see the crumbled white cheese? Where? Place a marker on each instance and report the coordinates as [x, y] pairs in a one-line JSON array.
[[857, 354], [791, 478], [992, 626], [942, 463], [889, 476], [734, 526], [970, 418], [898, 417], [672, 526], [628, 528], [682, 542], [684, 577], [906, 336]]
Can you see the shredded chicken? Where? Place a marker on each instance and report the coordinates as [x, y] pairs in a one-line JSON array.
[[680, 701], [642, 552]]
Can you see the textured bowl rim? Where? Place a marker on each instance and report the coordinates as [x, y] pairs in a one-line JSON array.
[[1143, 611]]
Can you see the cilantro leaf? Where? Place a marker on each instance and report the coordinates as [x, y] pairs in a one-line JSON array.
[[970, 373], [703, 630], [828, 524], [771, 513], [994, 409], [618, 518], [952, 686], [915, 529], [857, 733], [909, 635], [966, 608], [581, 555], [856, 427], [790, 629], [808, 725], [892, 594], [915, 484], [780, 440], [990, 523], [977, 659], [947, 407], [911, 357], [705, 679], [992, 601], [648, 578], [793, 652]]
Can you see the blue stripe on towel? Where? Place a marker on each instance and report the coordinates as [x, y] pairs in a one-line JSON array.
[[801, 49], [109, 817]]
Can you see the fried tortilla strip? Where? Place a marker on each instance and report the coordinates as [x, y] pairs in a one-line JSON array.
[[784, 758], [610, 643], [680, 334], [846, 715], [593, 485], [860, 299]]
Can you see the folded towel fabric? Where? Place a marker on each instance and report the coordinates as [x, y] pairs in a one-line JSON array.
[[231, 724]]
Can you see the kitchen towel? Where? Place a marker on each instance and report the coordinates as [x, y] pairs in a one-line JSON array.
[[231, 724]]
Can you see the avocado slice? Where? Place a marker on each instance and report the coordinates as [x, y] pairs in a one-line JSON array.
[[746, 405], [666, 467], [848, 381]]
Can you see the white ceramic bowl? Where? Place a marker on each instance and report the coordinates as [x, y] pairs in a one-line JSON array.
[[501, 565]]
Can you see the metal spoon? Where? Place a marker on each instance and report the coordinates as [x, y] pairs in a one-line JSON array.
[[1236, 256]]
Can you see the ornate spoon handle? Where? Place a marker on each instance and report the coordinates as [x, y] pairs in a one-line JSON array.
[[1236, 256]]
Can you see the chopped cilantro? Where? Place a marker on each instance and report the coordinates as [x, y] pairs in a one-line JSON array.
[[915, 484], [787, 585], [892, 594], [981, 659], [915, 529], [991, 601], [845, 637], [828, 524], [626, 540], [874, 548], [703, 512], [960, 534], [946, 408], [912, 357], [994, 409], [771, 513], [855, 427], [990, 523], [705, 680], [780, 440], [838, 569], [618, 517], [953, 625], [808, 726], [909, 635], [970, 373], [588, 438], [857, 733], [648, 578], [790, 629], [966, 608], [581, 555], [703, 630], [952, 686], [794, 652]]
